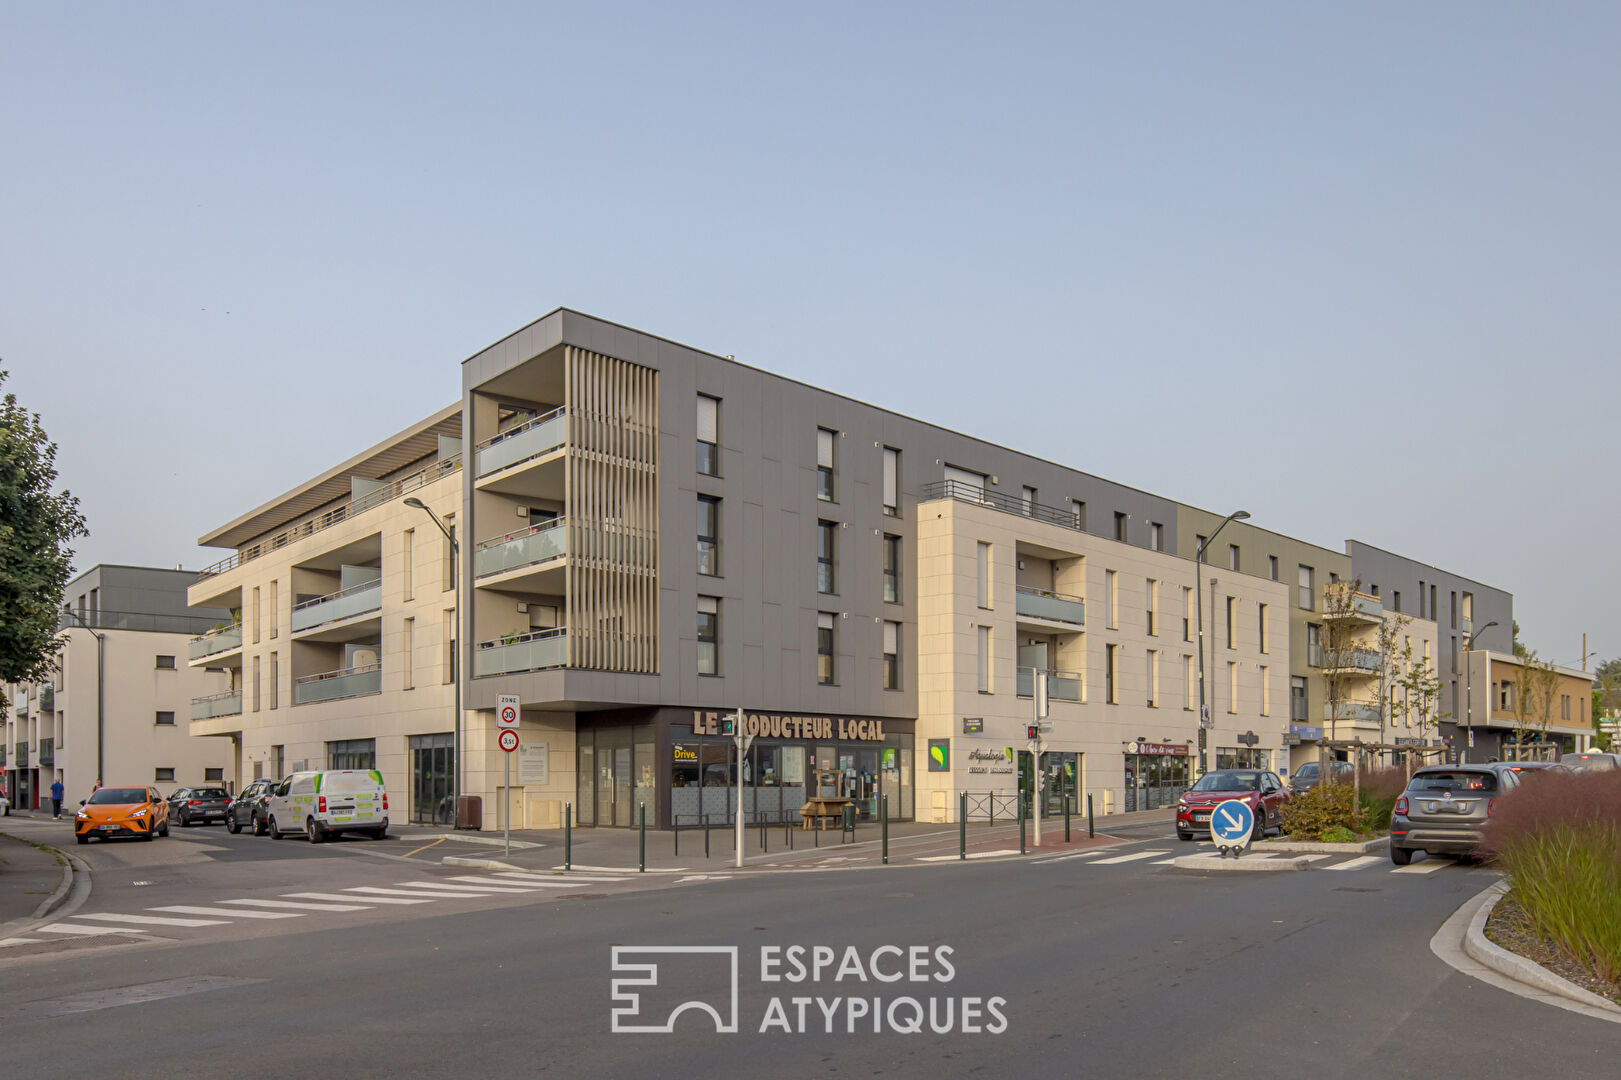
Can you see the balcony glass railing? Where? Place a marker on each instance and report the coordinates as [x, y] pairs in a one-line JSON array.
[[533, 651], [228, 703], [47, 751], [1364, 661], [1356, 712], [217, 641], [1061, 685], [1339, 602], [47, 699], [536, 544], [535, 437], [1045, 604], [344, 604], [342, 683]]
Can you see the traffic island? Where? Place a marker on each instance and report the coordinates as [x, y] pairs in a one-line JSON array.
[[1250, 863], [1318, 847]]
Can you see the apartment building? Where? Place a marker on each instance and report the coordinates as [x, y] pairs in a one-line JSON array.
[[1363, 652], [115, 709], [1500, 705]]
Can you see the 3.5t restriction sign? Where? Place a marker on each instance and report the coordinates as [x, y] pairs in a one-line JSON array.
[[507, 708], [507, 740]]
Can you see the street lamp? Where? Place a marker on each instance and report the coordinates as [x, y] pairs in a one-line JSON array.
[[101, 642], [1468, 690], [456, 744], [1198, 588]]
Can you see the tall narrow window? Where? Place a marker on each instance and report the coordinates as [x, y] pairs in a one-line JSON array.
[[708, 435], [1112, 580], [892, 656], [1454, 611], [1153, 607], [1395, 600], [1233, 562], [1314, 645], [255, 692], [892, 481], [1121, 523], [1232, 686], [253, 613], [826, 541], [708, 535], [1432, 603], [892, 569], [1078, 508], [708, 635], [1111, 653], [984, 655], [1187, 613], [408, 561], [275, 607], [1188, 685], [1156, 536], [1266, 690], [1232, 618], [1029, 500], [1261, 626], [824, 463], [1272, 567], [1421, 598], [275, 679], [1153, 679], [1305, 598], [825, 672], [984, 574], [448, 636], [1297, 699], [448, 563], [410, 644]]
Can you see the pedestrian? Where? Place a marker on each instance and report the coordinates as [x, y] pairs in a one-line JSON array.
[[57, 791]]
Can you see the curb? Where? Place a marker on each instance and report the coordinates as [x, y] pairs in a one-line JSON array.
[[471, 838], [1216, 862], [482, 864], [69, 896], [1522, 970], [1317, 847]]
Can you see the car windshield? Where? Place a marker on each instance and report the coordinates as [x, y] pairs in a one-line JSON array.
[[117, 795], [1454, 781], [1229, 781], [1308, 771], [209, 793], [347, 783]]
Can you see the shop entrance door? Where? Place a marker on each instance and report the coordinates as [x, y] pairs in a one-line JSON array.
[[432, 765], [613, 776], [860, 781], [1057, 782]]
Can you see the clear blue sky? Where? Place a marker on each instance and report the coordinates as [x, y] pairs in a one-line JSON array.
[[1354, 269]]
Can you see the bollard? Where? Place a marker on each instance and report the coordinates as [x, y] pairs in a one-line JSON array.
[[706, 834], [675, 828], [641, 841], [1021, 824], [568, 836], [962, 826], [883, 823], [1066, 819], [1089, 829]]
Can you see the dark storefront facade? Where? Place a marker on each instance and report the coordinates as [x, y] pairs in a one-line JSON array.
[[1157, 774], [677, 763]]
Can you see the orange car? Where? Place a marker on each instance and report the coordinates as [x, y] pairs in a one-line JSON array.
[[122, 811]]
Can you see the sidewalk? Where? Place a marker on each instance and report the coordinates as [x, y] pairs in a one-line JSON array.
[[28, 878]]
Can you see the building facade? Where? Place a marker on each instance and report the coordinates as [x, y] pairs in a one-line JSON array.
[[1505, 715]]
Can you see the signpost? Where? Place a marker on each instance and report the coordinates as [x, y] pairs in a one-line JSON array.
[[1232, 824], [1038, 699], [508, 709], [742, 742]]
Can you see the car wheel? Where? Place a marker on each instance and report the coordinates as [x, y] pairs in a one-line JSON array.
[[165, 830], [380, 833], [231, 825], [312, 831], [1187, 836], [1400, 856], [275, 833], [258, 824], [83, 838], [150, 834], [1258, 831]]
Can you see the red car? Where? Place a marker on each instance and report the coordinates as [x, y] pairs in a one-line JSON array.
[[1260, 788]]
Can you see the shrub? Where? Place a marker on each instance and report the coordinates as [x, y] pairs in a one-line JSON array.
[[1559, 839], [1326, 806], [1337, 834]]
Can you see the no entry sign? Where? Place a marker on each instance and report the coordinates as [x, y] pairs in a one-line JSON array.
[[507, 707], [507, 740]]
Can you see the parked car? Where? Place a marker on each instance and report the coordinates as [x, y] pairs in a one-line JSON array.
[[247, 810], [1538, 768], [205, 804], [1445, 809], [1260, 788], [5, 804], [122, 811], [1591, 761], [323, 804], [1307, 776]]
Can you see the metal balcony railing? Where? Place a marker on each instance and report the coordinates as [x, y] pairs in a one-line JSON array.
[[216, 641], [22, 755], [1061, 685], [228, 703], [1356, 712], [532, 438], [1339, 602], [1361, 661], [47, 699], [47, 751], [534, 651], [536, 544], [140, 620], [343, 604], [342, 683], [1012, 504], [1046, 604], [337, 515]]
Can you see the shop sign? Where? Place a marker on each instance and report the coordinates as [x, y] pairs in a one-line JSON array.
[[1306, 731], [939, 755], [779, 726], [1157, 749], [973, 725], [684, 753]]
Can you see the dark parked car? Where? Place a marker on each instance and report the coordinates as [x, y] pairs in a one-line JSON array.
[[247, 810], [1446, 807], [1537, 768], [1307, 776], [1261, 789], [188, 806], [1592, 761]]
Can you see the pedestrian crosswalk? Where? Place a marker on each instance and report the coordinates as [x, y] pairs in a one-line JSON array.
[[1107, 857]]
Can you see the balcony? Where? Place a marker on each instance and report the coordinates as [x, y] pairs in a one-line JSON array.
[[1061, 685], [1352, 662], [531, 439], [47, 699], [1354, 712], [1050, 606], [1339, 602], [22, 755], [1012, 504], [335, 685], [228, 703], [534, 651], [526, 547], [47, 751], [216, 641], [347, 603]]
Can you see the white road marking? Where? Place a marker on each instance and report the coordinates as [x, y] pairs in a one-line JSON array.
[[997, 854], [476, 890], [87, 931], [518, 876], [341, 898], [1164, 862], [626, 869], [1428, 866], [10, 941], [155, 920], [1133, 857], [1357, 863], [295, 904], [1074, 855], [421, 897], [554, 883], [230, 913]]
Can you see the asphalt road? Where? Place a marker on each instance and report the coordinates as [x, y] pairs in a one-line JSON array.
[[1129, 969]]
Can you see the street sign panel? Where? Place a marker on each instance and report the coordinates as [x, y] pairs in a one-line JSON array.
[[1232, 824], [507, 709], [507, 740]]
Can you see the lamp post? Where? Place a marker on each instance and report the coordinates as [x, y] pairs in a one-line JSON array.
[[456, 743], [1198, 589], [1468, 690], [101, 726]]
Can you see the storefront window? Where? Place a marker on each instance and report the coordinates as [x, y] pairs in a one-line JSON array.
[[1240, 757], [1156, 780]]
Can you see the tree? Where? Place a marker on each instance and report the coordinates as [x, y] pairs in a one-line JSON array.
[[1423, 687], [36, 526], [1519, 646], [1390, 632], [1533, 697]]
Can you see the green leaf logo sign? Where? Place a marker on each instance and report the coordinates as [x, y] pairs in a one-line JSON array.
[[938, 755]]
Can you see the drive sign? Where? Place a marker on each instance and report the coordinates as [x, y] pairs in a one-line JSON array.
[[506, 712]]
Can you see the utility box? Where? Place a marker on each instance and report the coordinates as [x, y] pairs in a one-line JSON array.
[[470, 812]]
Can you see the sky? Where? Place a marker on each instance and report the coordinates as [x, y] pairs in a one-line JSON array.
[[1352, 268]]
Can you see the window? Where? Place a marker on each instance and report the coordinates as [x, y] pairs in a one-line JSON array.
[[1112, 580], [1432, 602], [708, 635], [1232, 557], [1188, 685], [165, 718], [1261, 627], [1187, 613], [892, 569], [1395, 600], [166, 662], [892, 656], [1297, 698], [1564, 706], [984, 645], [1305, 590], [275, 604], [448, 636], [1153, 679], [708, 435], [1078, 508], [1314, 645], [1421, 598], [1029, 500], [1232, 686], [256, 660], [163, 774], [1266, 691], [213, 776], [825, 673], [407, 561], [1272, 567], [1156, 536], [984, 571], [253, 613], [824, 464], [1199, 543], [1505, 695], [826, 538], [1454, 611], [1111, 652], [447, 549], [964, 483], [1232, 618], [1468, 610], [275, 679], [352, 754], [410, 647], [892, 482], [1153, 607], [1373, 590], [709, 535], [1121, 523]]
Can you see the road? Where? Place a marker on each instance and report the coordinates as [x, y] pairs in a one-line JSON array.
[[1110, 964]]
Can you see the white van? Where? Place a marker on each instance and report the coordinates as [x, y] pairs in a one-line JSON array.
[[322, 804]]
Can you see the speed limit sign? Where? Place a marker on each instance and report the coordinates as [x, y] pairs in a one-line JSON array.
[[506, 712], [507, 740]]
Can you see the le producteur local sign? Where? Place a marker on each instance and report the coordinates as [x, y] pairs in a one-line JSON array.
[[779, 726]]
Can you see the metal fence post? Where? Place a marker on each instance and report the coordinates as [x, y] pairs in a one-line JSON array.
[[641, 840], [706, 834], [962, 826], [1066, 819], [568, 836], [675, 828], [1021, 823], [883, 821], [1089, 830]]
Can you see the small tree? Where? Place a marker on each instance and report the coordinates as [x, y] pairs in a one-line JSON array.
[[1338, 642], [1390, 632], [1423, 686], [36, 525], [1533, 698]]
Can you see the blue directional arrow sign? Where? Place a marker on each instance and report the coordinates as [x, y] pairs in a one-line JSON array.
[[1232, 823]]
